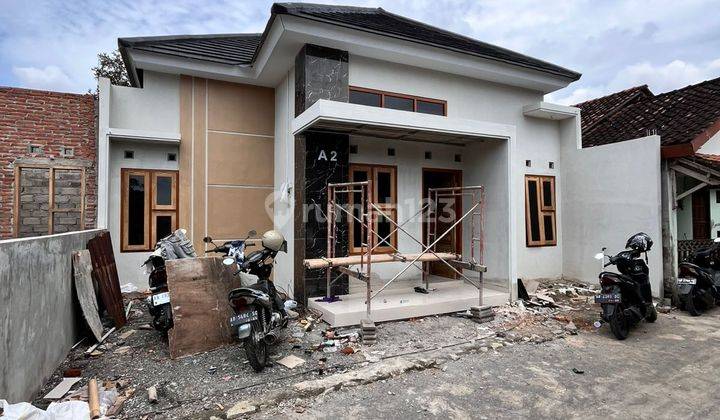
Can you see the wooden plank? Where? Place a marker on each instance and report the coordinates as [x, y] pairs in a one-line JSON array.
[[105, 275], [198, 294], [376, 258], [82, 273], [61, 389], [95, 346]]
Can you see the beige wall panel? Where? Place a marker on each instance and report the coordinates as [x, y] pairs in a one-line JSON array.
[[240, 160], [185, 158], [198, 171], [232, 212], [241, 108]]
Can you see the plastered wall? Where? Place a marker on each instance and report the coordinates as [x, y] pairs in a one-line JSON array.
[[226, 158]]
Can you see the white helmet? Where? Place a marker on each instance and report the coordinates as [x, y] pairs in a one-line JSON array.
[[274, 241]]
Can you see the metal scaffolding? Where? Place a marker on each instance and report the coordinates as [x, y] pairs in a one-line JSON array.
[[369, 212]]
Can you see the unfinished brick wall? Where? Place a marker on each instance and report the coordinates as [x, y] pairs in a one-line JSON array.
[[36, 129]]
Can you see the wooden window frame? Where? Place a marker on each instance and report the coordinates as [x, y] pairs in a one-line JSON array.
[[544, 209], [151, 208], [52, 208], [388, 208], [415, 99]]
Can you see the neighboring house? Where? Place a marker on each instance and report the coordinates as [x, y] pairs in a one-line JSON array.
[[225, 133], [47, 162], [687, 121]]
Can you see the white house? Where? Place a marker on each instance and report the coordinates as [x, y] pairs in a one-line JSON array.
[[219, 128]]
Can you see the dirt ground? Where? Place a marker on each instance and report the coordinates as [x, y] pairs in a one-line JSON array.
[[666, 370], [211, 383]]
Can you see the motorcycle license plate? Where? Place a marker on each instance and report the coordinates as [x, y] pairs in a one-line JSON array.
[[243, 318], [161, 298], [685, 280], [607, 298]]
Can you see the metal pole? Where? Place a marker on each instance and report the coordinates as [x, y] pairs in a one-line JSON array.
[[369, 245]]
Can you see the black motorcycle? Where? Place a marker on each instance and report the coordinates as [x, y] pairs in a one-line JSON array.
[[698, 283], [174, 246], [259, 309], [626, 298]]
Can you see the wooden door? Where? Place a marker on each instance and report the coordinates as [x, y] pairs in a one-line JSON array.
[[450, 209], [701, 214]]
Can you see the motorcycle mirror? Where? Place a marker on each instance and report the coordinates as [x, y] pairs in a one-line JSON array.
[[207, 239], [228, 261], [251, 234], [600, 256]]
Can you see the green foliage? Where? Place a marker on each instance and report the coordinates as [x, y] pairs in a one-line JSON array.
[[111, 65]]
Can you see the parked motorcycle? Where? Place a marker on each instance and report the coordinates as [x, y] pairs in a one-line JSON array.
[[173, 246], [259, 310], [698, 283], [626, 298]]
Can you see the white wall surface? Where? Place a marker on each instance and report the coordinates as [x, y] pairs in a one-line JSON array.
[[147, 156], [285, 177], [684, 219], [536, 139], [155, 107], [712, 146], [609, 193]]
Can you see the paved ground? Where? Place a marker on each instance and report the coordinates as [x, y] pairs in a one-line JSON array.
[[670, 369]]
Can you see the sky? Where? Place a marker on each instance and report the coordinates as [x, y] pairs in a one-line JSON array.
[[52, 44]]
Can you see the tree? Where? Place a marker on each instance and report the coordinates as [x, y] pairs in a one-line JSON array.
[[111, 65]]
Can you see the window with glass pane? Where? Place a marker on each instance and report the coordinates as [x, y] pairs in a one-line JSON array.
[[148, 208], [540, 210], [426, 107], [136, 207], [384, 196], [396, 102], [365, 98], [164, 187]]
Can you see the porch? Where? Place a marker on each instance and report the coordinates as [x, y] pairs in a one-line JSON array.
[[398, 160]]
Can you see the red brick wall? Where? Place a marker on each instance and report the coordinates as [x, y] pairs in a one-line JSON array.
[[51, 120]]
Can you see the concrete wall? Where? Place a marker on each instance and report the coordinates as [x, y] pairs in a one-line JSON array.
[[146, 156], [37, 315], [609, 193], [536, 140], [486, 164], [284, 179], [155, 107]]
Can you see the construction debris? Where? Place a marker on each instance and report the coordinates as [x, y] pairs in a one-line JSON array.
[[368, 331], [92, 348], [291, 361], [93, 399], [482, 313], [62, 388], [152, 394]]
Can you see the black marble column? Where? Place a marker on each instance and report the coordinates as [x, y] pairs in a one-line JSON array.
[[320, 158], [320, 73]]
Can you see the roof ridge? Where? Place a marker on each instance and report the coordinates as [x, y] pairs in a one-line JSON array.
[[338, 7]]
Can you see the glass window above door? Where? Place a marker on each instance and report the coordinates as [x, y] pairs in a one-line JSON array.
[[402, 102]]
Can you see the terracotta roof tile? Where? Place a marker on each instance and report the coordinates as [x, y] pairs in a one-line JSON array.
[[678, 116]]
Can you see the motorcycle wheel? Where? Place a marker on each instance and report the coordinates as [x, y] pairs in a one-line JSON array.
[[619, 324], [688, 303], [651, 313], [162, 321], [256, 348]]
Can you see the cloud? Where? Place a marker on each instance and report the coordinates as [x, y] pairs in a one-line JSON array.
[[600, 39], [659, 78], [48, 78]]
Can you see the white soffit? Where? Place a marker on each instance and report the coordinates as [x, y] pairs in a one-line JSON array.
[[548, 111], [371, 121], [143, 135]]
